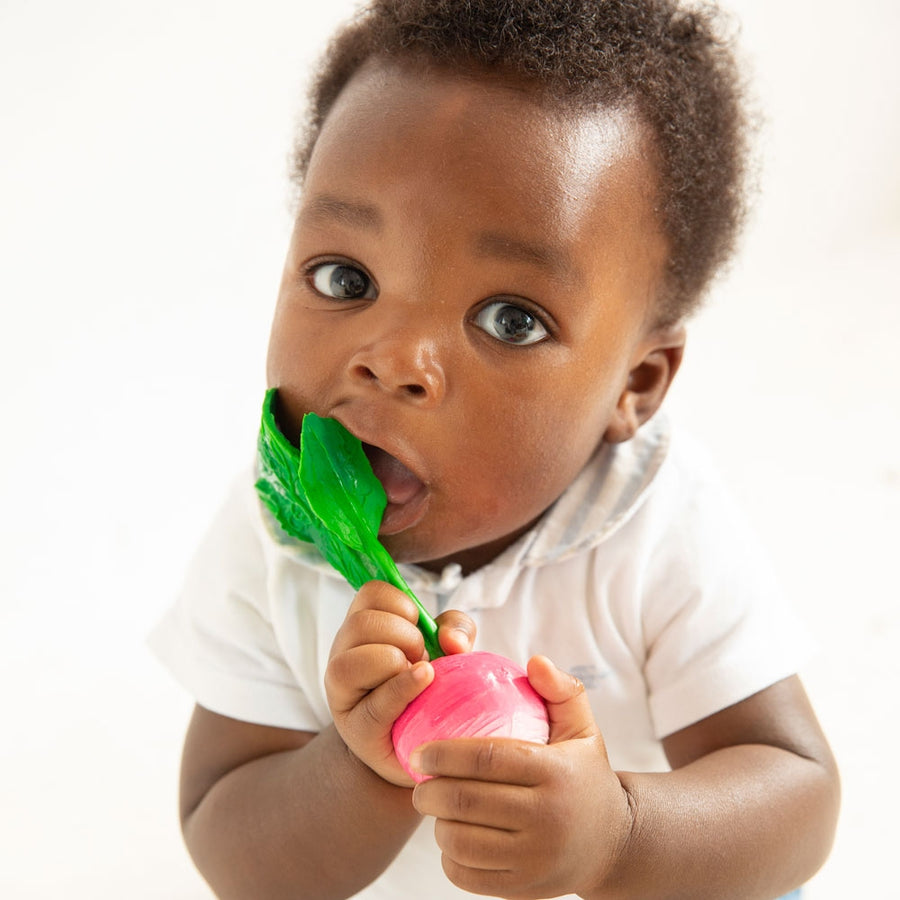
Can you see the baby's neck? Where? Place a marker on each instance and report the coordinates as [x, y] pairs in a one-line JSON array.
[[474, 558]]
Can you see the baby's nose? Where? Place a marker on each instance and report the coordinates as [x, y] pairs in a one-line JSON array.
[[402, 364]]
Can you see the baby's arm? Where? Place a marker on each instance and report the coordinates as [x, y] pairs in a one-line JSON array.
[[270, 812], [749, 809], [751, 805]]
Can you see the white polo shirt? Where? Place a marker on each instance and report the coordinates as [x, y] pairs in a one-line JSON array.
[[643, 580]]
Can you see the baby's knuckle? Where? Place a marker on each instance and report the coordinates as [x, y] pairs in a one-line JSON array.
[[384, 597], [475, 880], [528, 758], [365, 622], [368, 713], [460, 844], [460, 801], [462, 876], [371, 594], [549, 762], [336, 675], [485, 757]]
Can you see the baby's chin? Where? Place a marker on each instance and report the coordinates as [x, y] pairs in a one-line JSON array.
[[413, 548], [410, 549], [435, 555]]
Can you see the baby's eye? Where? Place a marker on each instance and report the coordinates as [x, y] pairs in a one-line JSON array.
[[342, 282], [510, 324]]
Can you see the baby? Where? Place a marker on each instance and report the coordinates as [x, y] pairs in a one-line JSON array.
[[507, 211]]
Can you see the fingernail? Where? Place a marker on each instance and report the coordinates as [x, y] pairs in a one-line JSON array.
[[463, 637], [420, 671], [415, 760]]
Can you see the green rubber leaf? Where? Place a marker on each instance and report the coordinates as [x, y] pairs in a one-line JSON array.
[[338, 482], [326, 494], [278, 481]]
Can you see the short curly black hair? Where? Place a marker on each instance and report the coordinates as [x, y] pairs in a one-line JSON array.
[[671, 64]]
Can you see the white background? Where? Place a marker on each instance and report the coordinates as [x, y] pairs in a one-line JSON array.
[[143, 219]]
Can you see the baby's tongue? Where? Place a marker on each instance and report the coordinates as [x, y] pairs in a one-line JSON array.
[[398, 482]]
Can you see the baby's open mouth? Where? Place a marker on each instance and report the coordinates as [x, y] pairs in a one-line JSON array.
[[406, 492], [399, 483]]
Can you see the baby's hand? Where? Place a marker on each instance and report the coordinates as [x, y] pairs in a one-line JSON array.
[[516, 819], [378, 665]]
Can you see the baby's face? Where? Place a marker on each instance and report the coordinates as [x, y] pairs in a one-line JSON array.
[[469, 290]]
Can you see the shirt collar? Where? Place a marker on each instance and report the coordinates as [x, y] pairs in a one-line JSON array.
[[604, 496]]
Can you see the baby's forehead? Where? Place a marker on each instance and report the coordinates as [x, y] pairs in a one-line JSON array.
[[471, 113], [466, 88]]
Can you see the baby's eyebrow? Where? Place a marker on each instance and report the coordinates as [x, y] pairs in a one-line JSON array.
[[348, 212], [554, 261]]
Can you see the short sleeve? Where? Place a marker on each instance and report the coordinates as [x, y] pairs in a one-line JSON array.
[[218, 640], [717, 627]]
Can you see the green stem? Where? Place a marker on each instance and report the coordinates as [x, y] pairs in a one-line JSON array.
[[426, 625]]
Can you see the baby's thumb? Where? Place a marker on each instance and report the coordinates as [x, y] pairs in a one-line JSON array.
[[567, 703], [456, 632]]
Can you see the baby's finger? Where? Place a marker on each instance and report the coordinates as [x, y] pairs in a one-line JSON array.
[[353, 673], [367, 627], [498, 805], [475, 850], [384, 704], [381, 614], [568, 707], [503, 760], [384, 596], [456, 632]]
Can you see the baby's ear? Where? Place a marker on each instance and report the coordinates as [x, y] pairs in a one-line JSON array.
[[653, 367]]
